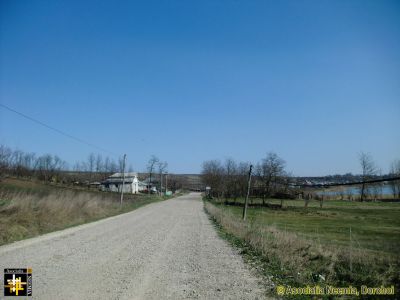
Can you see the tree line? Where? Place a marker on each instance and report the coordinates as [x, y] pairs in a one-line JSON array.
[[228, 179], [49, 167], [369, 169], [270, 178]]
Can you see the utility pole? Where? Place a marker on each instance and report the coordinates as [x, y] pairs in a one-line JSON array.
[[160, 182], [247, 195], [123, 180], [166, 182]]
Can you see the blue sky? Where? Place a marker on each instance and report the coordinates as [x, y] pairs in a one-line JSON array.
[[315, 81]]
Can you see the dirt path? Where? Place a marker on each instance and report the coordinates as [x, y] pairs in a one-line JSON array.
[[166, 250]]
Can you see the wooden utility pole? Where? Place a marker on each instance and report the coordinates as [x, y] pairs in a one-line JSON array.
[[247, 195], [166, 183], [123, 181], [160, 182]]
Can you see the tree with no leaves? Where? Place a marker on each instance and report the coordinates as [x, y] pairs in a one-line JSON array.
[[47, 166], [395, 172], [212, 175], [368, 169], [91, 161], [162, 168], [271, 169], [230, 179], [151, 165], [99, 163], [109, 166], [5, 158], [242, 178]]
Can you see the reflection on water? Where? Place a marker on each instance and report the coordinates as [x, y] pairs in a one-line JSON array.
[[380, 190]]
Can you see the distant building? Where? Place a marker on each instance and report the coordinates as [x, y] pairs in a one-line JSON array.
[[142, 186], [114, 183], [150, 186]]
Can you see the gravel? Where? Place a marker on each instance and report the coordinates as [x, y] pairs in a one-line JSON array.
[[165, 250]]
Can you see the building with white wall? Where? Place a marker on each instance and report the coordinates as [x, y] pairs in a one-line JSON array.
[[115, 182]]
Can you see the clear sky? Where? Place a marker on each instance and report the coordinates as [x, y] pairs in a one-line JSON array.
[[315, 81]]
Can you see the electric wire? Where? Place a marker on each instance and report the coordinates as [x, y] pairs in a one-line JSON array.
[[58, 130]]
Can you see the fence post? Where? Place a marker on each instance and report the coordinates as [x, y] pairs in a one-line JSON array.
[[351, 248]]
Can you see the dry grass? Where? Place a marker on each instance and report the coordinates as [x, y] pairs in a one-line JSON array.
[[305, 261], [27, 214]]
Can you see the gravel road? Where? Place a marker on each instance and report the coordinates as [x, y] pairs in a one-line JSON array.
[[165, 250]]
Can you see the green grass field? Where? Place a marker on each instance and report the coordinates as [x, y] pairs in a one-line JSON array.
[[297, 245], [375, 226]]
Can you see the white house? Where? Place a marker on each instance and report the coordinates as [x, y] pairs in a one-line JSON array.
[[114, 183]]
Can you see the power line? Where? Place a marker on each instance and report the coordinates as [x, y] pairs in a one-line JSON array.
[[58, 130]]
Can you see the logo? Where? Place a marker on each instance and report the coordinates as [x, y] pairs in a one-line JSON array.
[[18, 282]]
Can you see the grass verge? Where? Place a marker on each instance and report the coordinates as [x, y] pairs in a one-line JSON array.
[[291, 259]]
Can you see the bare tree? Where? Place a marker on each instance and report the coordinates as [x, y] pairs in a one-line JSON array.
[[57, 165], [16, 162], [271, 169], [99, 163], [230, 182], [77, 167], [43, 166], [162, 168], [242, 178], [151, 165], [395, 172], [113, 168], [368, 169], [28, 162], [5, 159], [91, 161], [48, 167], [106, 167], [212, 175]]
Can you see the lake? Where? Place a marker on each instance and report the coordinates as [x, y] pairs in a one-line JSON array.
[[352, 190]]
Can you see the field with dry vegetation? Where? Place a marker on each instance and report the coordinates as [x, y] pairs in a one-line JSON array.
[[29, 209]]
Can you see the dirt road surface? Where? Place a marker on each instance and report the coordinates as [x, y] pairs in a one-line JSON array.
[[165, 250]]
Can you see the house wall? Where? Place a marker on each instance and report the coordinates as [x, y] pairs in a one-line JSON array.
[[129, 187]]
